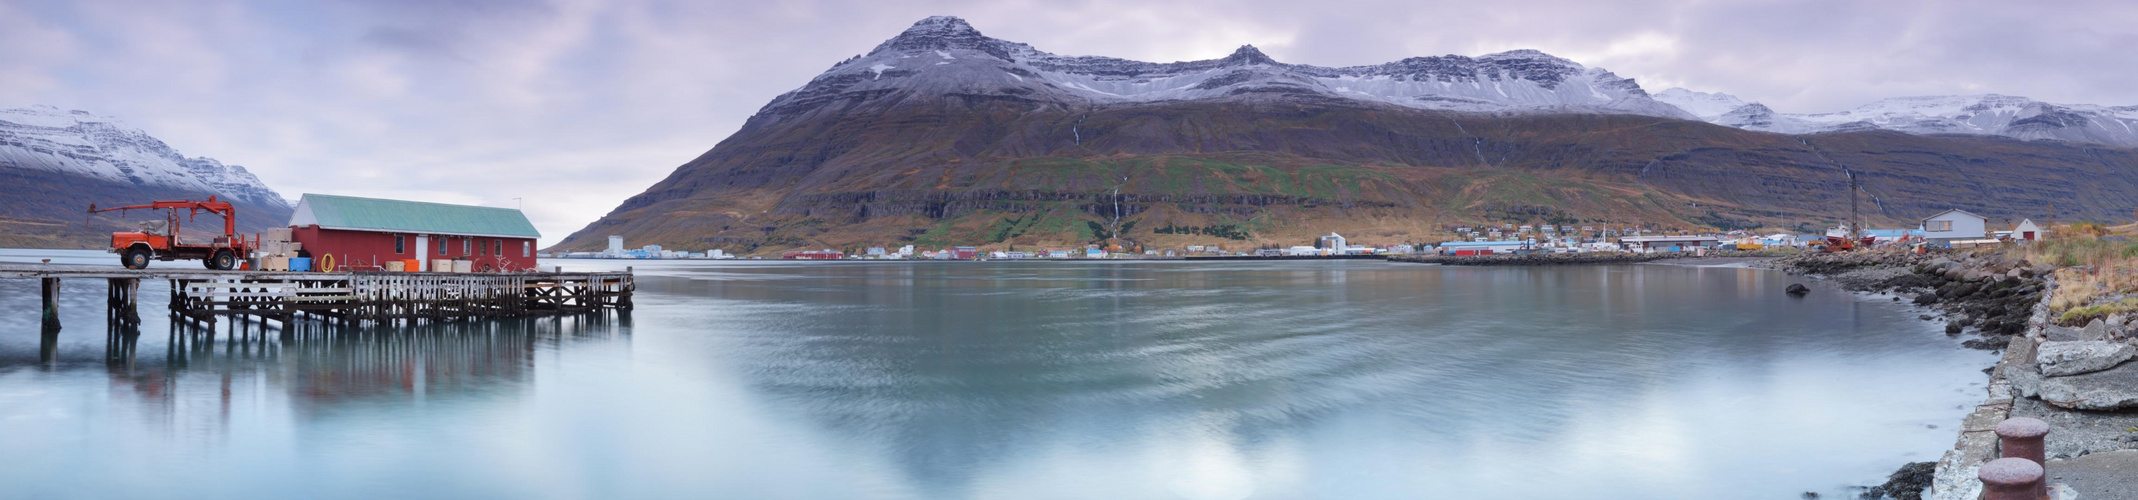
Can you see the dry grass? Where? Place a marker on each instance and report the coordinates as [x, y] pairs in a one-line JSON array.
[[2095, 274]]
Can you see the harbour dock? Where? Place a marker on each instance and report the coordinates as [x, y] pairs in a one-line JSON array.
[[353, 298]]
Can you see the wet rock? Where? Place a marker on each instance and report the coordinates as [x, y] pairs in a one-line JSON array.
[[1988, 343], [1907, 483], [1954, 328], [1925, 299], [2111, 389], [1797, 290], [2059, 359]]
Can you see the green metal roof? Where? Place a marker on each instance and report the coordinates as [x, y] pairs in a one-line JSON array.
[[373, 214]]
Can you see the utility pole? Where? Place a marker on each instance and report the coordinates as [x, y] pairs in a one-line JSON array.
[[1855, 219]]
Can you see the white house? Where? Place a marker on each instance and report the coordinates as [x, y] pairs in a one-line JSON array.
[[2026, 230], [1645, 244], [1334, 242], [1955, 224]]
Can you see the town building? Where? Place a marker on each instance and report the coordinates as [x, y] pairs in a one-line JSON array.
[[1646, 244], [1954, 225], [1333, 242], [367, 233], [1481, 247], [825, 254], [2027, 231]]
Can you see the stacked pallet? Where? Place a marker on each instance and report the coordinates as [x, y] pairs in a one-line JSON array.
[[275, 250]]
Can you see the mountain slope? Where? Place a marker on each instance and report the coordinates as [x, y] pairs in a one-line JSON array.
[[54, 164], [942, 136]]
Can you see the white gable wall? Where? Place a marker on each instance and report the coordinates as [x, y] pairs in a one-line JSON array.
[[1965, 226], [303, 216], [2027, 226]]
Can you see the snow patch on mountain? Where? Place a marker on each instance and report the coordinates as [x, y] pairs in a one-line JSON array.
[[1986, 114], [83, 144], [973, 64], [1706, 105]]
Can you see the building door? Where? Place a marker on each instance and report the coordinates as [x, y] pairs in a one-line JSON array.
[[423, 253], [2028, 235]]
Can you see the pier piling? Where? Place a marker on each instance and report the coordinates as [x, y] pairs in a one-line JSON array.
[[50, 287]]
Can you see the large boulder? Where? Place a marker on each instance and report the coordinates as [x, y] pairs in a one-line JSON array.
[[2111, 389], [2062, 333], [2097, 330], [2058, 359]]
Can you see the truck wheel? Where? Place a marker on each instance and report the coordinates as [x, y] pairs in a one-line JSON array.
[[134, 258], [223, 260]]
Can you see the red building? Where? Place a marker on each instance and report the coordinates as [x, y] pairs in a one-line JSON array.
[[366, 233]]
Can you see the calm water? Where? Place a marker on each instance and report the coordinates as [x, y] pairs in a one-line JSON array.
[[1334, 379]]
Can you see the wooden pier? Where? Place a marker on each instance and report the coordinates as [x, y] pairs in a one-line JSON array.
[[354, 298]]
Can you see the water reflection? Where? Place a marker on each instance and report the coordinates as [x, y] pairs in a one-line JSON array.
[[1023, 380], [1231, 381], [319, 366]]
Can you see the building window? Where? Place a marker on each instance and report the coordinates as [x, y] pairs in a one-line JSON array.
[[467, 247], [526, 249], [497, 247], [441, 246], [400, 244], [1940, 225]]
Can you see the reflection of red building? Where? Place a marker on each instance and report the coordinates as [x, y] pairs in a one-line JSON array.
[[362, 233], [815, 255]]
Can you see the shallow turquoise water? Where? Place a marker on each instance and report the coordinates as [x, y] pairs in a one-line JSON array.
[[1331, 379]]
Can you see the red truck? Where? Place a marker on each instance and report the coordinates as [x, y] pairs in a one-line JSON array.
[[159, 239]]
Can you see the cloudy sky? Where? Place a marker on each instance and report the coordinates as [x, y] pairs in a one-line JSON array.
[[573, 106]]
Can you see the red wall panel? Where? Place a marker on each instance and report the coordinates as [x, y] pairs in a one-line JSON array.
[[365, 250]]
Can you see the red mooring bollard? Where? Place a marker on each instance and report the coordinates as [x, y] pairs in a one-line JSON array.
[[2022, 438], [2013, 479]]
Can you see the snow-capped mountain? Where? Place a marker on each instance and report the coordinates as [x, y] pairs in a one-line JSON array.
[[1987, 114], [944, 56], [1706, 105], [78, 143]]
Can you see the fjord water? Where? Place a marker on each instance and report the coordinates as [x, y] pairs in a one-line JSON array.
[[1326, 379]]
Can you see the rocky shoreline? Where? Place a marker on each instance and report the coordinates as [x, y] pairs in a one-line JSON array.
[[2081, 380], [1539, 259], [1990, 295]]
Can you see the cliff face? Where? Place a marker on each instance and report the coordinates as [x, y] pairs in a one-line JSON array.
[[945, 137]]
